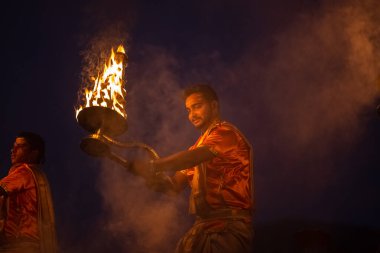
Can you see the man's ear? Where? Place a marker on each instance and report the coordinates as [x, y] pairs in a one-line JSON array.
[[215, 106], [33, 156]]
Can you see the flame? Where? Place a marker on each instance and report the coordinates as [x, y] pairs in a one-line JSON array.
[[108, 90]]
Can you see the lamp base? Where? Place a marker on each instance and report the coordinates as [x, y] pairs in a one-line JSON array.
[[94, 146], [103, 119]]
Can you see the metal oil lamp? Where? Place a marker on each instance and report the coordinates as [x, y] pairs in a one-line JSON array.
[[104, 114]]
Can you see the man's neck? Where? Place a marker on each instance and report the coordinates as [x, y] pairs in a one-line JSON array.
[[20, 163], [211, 125]]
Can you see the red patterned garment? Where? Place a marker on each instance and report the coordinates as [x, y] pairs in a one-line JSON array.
[[221, 195], [28, 222], [226, 180], [22, 214]]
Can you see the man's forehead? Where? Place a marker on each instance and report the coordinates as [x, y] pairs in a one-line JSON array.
[[20, 140], [194, 98]]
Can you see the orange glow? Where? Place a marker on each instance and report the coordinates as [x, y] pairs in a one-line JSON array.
[[108, 90]]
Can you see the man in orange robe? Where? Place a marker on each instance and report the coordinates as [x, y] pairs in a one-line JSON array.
[[219, 170], [27, 214]]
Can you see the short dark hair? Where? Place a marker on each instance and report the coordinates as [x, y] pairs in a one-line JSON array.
[[206, 90], [36, 142]]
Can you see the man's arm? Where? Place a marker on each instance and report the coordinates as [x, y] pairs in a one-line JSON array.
[[157, 180], [19, 180], [183, 160]]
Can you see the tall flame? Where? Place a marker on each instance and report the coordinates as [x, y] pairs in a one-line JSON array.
[[108, 90]]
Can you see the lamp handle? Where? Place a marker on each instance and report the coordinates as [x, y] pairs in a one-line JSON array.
[[133, 144]]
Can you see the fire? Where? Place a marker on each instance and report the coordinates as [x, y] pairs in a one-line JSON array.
[[108, 90]]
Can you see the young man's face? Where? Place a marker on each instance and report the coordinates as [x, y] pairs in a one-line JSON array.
[[201, 112], [22, 152]]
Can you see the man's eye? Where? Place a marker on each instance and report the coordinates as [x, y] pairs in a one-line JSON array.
[[21, 146]]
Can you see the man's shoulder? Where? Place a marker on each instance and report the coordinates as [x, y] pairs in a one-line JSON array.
[[22, 168], [228, 125], [228, 129], [222, 132], [225, 127]]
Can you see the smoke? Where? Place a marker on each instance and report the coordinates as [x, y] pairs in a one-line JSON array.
[[141, 220], [157, 113], [324, 71], [311, 93]]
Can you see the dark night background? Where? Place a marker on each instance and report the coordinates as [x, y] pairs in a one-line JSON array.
[[299, 77]]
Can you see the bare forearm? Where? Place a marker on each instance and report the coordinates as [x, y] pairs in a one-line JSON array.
[[183, 160]]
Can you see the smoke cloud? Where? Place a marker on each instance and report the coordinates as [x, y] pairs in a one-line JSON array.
[[141, 220], [310, 94]]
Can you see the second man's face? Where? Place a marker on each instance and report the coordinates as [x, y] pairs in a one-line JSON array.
[[201, 112], [21, 151]]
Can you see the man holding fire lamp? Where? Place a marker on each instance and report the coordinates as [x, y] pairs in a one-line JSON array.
[[219, 170]]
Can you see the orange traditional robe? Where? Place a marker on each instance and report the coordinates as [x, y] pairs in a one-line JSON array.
[[222, 195], [29, 212], [21, 221], [226, 180]]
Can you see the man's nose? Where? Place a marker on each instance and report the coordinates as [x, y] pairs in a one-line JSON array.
[[192, 115]]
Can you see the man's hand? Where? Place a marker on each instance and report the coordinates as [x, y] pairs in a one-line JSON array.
[[160, 183], [156, 181], [142, 168]]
